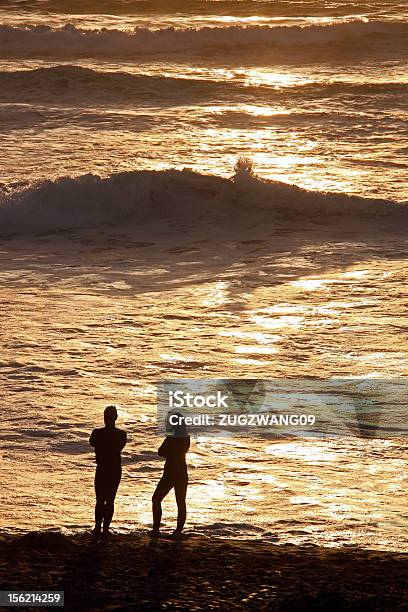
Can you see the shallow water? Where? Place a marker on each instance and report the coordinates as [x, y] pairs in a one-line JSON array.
[[90, 321], [107, 286]]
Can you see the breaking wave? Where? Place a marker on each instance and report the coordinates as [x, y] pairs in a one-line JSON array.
[[72, 41], [159, 196]]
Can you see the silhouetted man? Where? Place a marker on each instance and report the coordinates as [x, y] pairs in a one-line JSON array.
[[108, 443]]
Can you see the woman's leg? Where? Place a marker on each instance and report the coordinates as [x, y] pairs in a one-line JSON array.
[[162, 489], [109, 509], [181, 493], [99, 510]]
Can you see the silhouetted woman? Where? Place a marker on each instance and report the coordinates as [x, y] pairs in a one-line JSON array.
[[175, 476]]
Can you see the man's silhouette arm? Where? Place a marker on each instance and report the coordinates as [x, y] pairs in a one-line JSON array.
[[123, 441], [92, 439]]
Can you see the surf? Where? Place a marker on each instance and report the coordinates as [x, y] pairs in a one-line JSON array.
[[61, 81], [70, 40], [149, 196]]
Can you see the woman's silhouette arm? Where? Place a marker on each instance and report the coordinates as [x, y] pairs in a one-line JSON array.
[[162, 452]]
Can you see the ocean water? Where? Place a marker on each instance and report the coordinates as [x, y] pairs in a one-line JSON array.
[[131, 250]]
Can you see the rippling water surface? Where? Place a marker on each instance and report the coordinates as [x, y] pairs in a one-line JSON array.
[[315, 94], [109, 283]]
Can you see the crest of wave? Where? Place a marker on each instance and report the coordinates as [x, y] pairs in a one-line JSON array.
[[71, 40], [174, 197]]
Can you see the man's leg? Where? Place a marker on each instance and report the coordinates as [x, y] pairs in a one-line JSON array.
[[100, 502], [109, 507]]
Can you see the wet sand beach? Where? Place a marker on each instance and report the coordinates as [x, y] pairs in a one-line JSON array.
[[132, 572]]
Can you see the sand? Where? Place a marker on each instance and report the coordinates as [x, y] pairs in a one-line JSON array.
[[133, 572]]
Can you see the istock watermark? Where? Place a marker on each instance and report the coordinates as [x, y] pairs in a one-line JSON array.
[[303, 407], [179, 399]]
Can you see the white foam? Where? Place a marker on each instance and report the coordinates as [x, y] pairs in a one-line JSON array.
[[71, 40], [150, 196]]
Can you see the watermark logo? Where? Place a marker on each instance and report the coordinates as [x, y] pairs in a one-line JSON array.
[[371, 408], [180, 399]]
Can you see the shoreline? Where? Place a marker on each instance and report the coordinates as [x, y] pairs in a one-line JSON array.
[[134, 572]]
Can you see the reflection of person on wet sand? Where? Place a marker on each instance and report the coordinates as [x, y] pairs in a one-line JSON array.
[[108, 443], [175, 476]]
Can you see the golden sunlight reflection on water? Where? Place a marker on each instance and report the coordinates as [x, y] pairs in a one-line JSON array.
[[112, 345]]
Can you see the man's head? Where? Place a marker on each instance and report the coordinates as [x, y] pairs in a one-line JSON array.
[[110, 415]]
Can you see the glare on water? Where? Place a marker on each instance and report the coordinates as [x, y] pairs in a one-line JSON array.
[[98, 316], [87, 343]]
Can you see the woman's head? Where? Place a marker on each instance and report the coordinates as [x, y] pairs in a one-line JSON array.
[[175, 425]]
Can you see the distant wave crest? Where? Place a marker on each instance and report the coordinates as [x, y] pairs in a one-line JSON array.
[[59, 82], [159, 196], [70, 40]]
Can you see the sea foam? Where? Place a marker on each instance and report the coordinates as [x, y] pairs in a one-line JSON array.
[[70, 40], [146, 197]]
